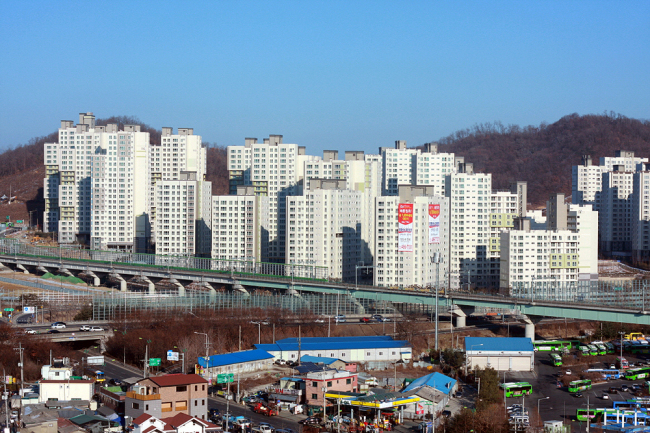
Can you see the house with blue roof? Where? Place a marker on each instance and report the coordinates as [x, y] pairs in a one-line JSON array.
[[323, 360], [236, 362], [433, 392], [500, 353], [375, 351]]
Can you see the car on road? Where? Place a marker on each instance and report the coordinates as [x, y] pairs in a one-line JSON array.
[[96, 329], [320, 320], [365, 320], [613, 390], [58, 325], [30, 331], [280, 362], [53, 331], [624, 388], [84, 328], [605, 396], [636, 387], [577, 394], [339, 318], [378, 317], [267, 427], [446, 413], [568, 372]]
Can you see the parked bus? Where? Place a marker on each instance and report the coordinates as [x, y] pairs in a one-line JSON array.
[[634, 336], [579, 385], [637, 373], [602, 350], [551, 346], [96, 375], [556, 359], [517, 389], [593, 350], [610, 348], [607, 373], [584, 351], [594, 414]]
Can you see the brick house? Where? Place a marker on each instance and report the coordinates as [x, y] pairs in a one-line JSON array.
[[167, 396], [332, 380]]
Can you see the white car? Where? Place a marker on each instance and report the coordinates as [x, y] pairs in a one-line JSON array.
[[30, 331], [84, 328], [58, 325], [568, 372], [96, 329]]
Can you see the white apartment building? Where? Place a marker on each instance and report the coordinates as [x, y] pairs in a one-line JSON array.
[[504, 207], [184, 216], [399, 166], [640, 217], [176, 153], [395, 268], [587, 178], [324, 228], [433, 167], [240, 226], [89, 185], [562, 254], [275, 169], [616, 212], [470, 201]]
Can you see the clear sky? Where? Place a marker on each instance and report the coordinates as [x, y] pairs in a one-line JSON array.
[[329, 74]]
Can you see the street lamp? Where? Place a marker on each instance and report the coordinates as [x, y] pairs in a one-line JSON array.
[[467, 356], [621, 334], [207, 352], [538, 400], [437, 259]]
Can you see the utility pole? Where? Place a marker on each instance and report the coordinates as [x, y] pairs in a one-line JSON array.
[[20, 350], [5, 397], [437, 259]]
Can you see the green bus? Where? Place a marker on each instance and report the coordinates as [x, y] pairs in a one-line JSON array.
[[584, 351], [637, 373], [593, 350], [579, 385], [556, 359], [602, 350], [552, 346], [517, 389], [610, 348], [596, 415]]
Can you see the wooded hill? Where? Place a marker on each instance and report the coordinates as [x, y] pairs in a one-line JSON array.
[[541, 155]]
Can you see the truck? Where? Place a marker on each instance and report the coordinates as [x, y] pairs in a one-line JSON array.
[[264, 410], [262, 428]]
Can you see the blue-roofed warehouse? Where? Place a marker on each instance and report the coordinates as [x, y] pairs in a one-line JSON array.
[[375, 351], [500, 353], [236, 362]]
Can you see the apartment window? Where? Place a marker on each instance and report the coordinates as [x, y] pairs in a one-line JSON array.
[[135, 405], [314, 384], [329, 384], [314, 396], [181, 389], [348, 381]]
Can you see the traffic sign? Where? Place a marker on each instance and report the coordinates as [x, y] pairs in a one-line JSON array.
[[225, 378], [19, 221], [172, 356], [9, 309], [154, 362]]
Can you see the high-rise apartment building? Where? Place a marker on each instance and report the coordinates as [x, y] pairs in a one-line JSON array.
[[275, 169], [89, 189], [563, 254], [470, 197], [175, 154], [324, 228], [184, 216], [410, 229], [640, 216], [240, 226], [615, 212]]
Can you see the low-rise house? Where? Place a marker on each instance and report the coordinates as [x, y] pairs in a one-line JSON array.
[[180, 423], [168, 395], [433, 391], [289, 390], [236, 362], [318, 383], [96, 424], [65, 390], [113, 397], [39, 419]]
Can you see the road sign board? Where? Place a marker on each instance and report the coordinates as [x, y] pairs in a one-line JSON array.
[[225, 378], [9, 309], [154, 362], [19, 221], [172, 356]]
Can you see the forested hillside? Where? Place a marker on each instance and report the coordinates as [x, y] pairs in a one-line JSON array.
[[543, 155]]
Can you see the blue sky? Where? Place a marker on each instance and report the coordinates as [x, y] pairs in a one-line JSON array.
[[325, 74]]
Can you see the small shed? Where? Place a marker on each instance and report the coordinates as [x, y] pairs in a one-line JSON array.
[[500, 353]]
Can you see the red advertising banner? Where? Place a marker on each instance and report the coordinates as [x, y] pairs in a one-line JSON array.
[[434, 223], [405, 227]]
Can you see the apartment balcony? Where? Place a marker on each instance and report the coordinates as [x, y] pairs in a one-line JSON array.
[[143, 397]]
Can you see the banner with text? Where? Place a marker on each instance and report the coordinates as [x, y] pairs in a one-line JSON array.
[[405, 227], [434, 223]]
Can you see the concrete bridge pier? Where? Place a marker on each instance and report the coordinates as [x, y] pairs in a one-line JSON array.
[[239, 288], [64, 271], [96, 281], [152, 286], [461, 317], [22, 268], [42, 269], [181, 288], [529, 331], [123, 284]]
